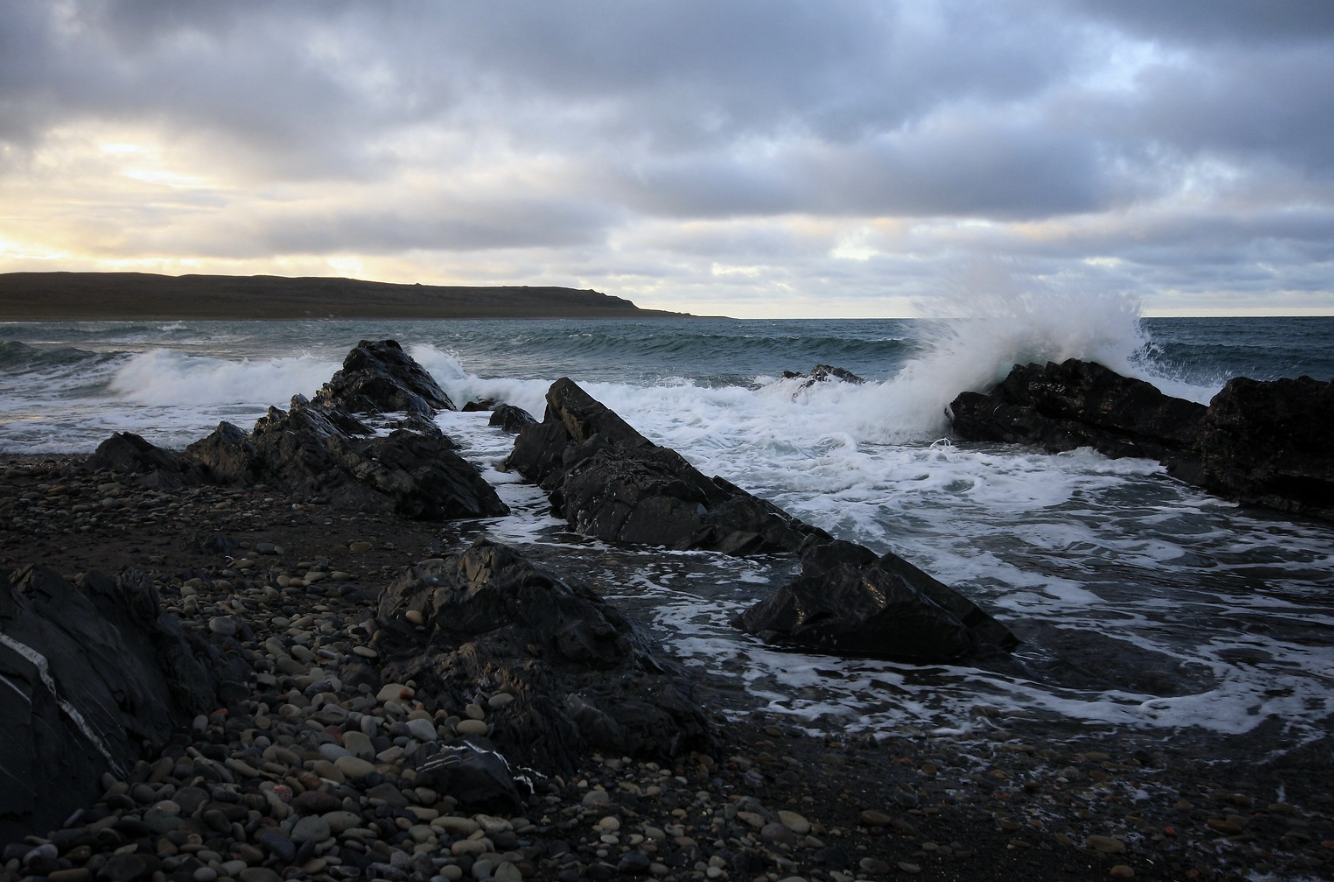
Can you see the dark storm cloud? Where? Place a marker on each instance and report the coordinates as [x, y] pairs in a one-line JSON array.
[[1185, 136]]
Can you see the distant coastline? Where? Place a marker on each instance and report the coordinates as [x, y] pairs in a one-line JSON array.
[[75, 296]]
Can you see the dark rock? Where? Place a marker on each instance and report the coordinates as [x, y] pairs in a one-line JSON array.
[[847, 601], [92, 672], [306, 451], [1259, 443], [582, 676], [1080, 404], [131, 455], [379, 377], [480, 406], [612, 483], [1269, 443], [824, 373], [511, 419], [478, 778]]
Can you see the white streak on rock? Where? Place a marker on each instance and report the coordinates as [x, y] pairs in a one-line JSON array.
[[43, 670]]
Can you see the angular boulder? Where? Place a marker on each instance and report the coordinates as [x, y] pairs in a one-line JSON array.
[[848, 601], [509, 418], [92, 671], [143, 463], [1271, 444], [610, 482], [1076, 403], [379, 377], [581, 676]]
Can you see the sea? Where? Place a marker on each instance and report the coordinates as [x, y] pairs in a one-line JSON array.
[[1148, 608]]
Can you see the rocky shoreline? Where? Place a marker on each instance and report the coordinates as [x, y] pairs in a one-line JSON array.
[[283, 784], [375, 678]]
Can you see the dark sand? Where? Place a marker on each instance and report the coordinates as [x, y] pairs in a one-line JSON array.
[[1000, 803], [128, 296]]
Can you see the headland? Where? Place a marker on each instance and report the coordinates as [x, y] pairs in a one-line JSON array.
[[77, 296]]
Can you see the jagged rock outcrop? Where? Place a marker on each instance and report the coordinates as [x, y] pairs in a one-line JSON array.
[[91, 671], [1269, 443], [308, 450], [848, 601], [487, 620], [1080, 404], [612, 483], [824, 373], [1257, 442], [379, 377], [323, 450]]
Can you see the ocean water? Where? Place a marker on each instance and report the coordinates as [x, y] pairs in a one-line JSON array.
[[1146, 606]]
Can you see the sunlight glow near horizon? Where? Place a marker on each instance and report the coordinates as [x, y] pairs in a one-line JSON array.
[[1177, 157]]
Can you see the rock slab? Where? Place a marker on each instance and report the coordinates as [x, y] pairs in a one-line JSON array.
[[610, 482], [92, 671]]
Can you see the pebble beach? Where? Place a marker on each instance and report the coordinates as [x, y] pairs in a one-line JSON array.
[[306, 776]]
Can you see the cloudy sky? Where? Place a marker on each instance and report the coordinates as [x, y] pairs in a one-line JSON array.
[[749, 158]]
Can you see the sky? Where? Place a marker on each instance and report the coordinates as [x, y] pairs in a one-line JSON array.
[[753, 158]]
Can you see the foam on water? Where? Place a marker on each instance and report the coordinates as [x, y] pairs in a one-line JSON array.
[[164, 377], [1232, 605]]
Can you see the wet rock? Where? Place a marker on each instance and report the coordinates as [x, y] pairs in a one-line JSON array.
[[612, 483], [379, 377], [847, 601], [1259, 443], [1080, 404], [307, 451], [1268, 443], [582, 677], [511, 419], [824, 373]]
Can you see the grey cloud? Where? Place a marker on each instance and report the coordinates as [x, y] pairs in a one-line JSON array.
[[1196, 22]]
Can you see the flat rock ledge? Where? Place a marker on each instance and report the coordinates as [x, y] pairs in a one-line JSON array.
[[1263, 443]]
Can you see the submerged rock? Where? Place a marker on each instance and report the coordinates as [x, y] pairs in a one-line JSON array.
[[848, 601], [93, 672], [610, 482], [580, 676], [824, 373]]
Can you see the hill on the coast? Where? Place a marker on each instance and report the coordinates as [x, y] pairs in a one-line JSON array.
[[111, 296]]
